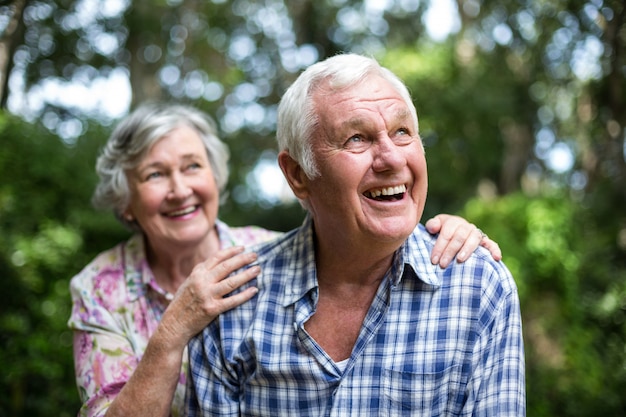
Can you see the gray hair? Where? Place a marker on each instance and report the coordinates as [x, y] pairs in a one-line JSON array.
[[297, 119], [133, 138]]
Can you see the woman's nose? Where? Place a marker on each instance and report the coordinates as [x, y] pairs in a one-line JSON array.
[[179, 187]]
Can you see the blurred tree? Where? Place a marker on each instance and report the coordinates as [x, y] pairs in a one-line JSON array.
[[8, 43], [49, 232], [575, 330], [560, 63]]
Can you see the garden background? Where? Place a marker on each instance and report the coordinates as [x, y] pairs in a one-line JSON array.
[[522, 107]]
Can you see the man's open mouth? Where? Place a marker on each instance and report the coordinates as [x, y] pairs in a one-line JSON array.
[[387, 193]]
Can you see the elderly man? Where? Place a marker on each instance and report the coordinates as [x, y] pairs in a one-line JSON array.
[[351, 318]]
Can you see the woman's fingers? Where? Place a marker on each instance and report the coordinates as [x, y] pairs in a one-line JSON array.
[[492, 246], [224, 263], [230, 284], [223, 255], [211, 281], [458, 238], [472, 241], [434, 225], [205, 293], [235, 300], [454, 238]]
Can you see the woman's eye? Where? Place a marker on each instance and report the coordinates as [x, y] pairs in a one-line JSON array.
[[153, 175], [193, 166]]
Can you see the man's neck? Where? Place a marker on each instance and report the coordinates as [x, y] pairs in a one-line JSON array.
[[356, 263], [348, 281]]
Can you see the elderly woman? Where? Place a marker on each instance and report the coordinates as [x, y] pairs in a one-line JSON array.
[[135, 306]]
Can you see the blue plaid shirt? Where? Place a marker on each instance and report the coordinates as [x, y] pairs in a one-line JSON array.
[[435, 342]]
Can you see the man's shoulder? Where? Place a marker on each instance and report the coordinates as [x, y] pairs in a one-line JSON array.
[[281, 246], [492, 277], [251, 235], [275, 258], [282, 259], [284, 271], [480, 267]]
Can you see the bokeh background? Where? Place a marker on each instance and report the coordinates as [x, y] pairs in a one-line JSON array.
[[522, 108]]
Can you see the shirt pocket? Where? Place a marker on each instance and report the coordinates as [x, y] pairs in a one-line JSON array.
[[423, 393]]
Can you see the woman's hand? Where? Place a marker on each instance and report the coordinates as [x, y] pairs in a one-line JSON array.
[[198, 301], [457, 237], [202, 297]]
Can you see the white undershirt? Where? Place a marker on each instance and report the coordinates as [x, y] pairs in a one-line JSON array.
[[342, 364]]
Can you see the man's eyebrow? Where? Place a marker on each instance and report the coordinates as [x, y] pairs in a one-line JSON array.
[[353, 122], [399, 115], [403, 114]]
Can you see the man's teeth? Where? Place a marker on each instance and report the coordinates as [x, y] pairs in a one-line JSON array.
[[398, 189], [182, 212]]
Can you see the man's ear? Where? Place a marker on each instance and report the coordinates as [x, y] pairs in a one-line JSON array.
[[295, 176]]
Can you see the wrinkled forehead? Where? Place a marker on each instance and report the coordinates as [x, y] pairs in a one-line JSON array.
[[373, 86], [352, 103]]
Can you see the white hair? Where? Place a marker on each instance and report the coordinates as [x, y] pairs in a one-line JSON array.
[[297, 119]]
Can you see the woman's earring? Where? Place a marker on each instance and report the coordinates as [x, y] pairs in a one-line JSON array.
[[129, 217]]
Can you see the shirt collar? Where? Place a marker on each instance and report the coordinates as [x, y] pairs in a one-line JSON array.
[[136, 269], [224, 235], [414, 254], [302, 259]]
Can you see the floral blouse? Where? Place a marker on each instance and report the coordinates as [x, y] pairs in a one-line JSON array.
[[117, 306]]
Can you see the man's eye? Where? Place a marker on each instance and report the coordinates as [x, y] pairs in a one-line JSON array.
[[403, 136], [357, 143], [194, 165], [403, 131]]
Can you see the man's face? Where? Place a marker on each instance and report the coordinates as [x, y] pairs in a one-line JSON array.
[[373, 177]]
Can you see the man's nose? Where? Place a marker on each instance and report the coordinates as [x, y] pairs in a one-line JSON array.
[[387, 154]]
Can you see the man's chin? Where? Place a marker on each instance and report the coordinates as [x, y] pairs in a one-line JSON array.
[[394, 230]]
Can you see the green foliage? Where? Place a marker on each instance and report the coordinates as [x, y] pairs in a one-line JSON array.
[[574, 341], [49, 233], [458, 119]]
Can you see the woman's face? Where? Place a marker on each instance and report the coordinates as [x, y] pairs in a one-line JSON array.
[[174, 197]]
